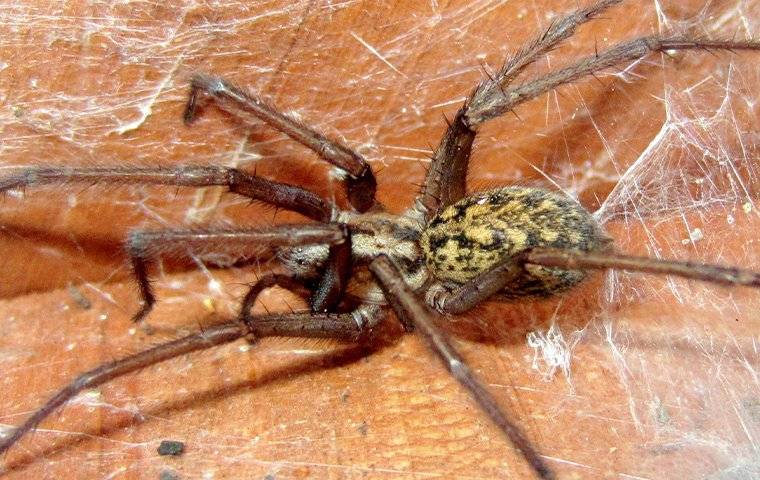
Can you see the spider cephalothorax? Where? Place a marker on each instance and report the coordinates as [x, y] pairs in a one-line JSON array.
[[449, 251], [372, 234]]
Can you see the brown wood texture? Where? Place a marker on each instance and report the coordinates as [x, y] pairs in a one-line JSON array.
[[662, 373]]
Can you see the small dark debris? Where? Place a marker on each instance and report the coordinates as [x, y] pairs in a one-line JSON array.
[[171, 447], [168, 475], [363, 428], [269, 477], [79, 297]]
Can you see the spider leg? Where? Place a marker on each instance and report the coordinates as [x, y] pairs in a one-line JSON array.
[[585, 260], [559, 30], [348, 326], [143, 246], [465, 297], [493, 102], [335, 277], [445, 180], [480, 288], [361, 183], [279, 194], [351, 326], [413, 312], [332, 282], [217, 335]]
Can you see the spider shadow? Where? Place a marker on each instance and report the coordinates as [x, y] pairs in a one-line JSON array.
[[101, 251], [346, 355]]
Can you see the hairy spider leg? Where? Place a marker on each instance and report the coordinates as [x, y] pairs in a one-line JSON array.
[[352, 326], [466, 296], [145, 246], [601, 260], [329, 290], [290, 197], [445, 181], [334, 278], [360, 184], [494, 102], [217, 335], [414, 313], [348, 326]]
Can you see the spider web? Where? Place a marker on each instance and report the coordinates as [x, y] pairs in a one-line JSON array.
[[631, 376]]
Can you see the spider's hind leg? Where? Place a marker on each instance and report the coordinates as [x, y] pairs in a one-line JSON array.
[[502, 275], [492, 100], [465, 297], [414, 313], [360, 182], [351, 326], [609, 260]]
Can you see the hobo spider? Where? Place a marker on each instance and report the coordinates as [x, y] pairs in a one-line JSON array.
[[361, 231]]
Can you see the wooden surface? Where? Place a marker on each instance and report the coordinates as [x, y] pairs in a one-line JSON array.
[[662, 374]]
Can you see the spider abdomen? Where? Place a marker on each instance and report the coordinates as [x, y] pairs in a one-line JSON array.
[[486, 228]]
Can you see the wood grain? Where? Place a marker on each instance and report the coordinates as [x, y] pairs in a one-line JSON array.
[[662, 379]]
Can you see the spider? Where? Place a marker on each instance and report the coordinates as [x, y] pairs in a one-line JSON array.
[[319, 256]]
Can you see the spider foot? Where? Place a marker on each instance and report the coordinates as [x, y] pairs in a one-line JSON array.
[[361, 190], [200, 85], [139, 317]]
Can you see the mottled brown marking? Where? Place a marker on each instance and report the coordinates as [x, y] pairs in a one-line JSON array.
[[476, 233]]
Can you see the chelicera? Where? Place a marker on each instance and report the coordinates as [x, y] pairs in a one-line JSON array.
[[444, 255]]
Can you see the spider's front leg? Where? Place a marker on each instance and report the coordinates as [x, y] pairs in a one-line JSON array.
[[360, 183], [445, 182], [141, 245]]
